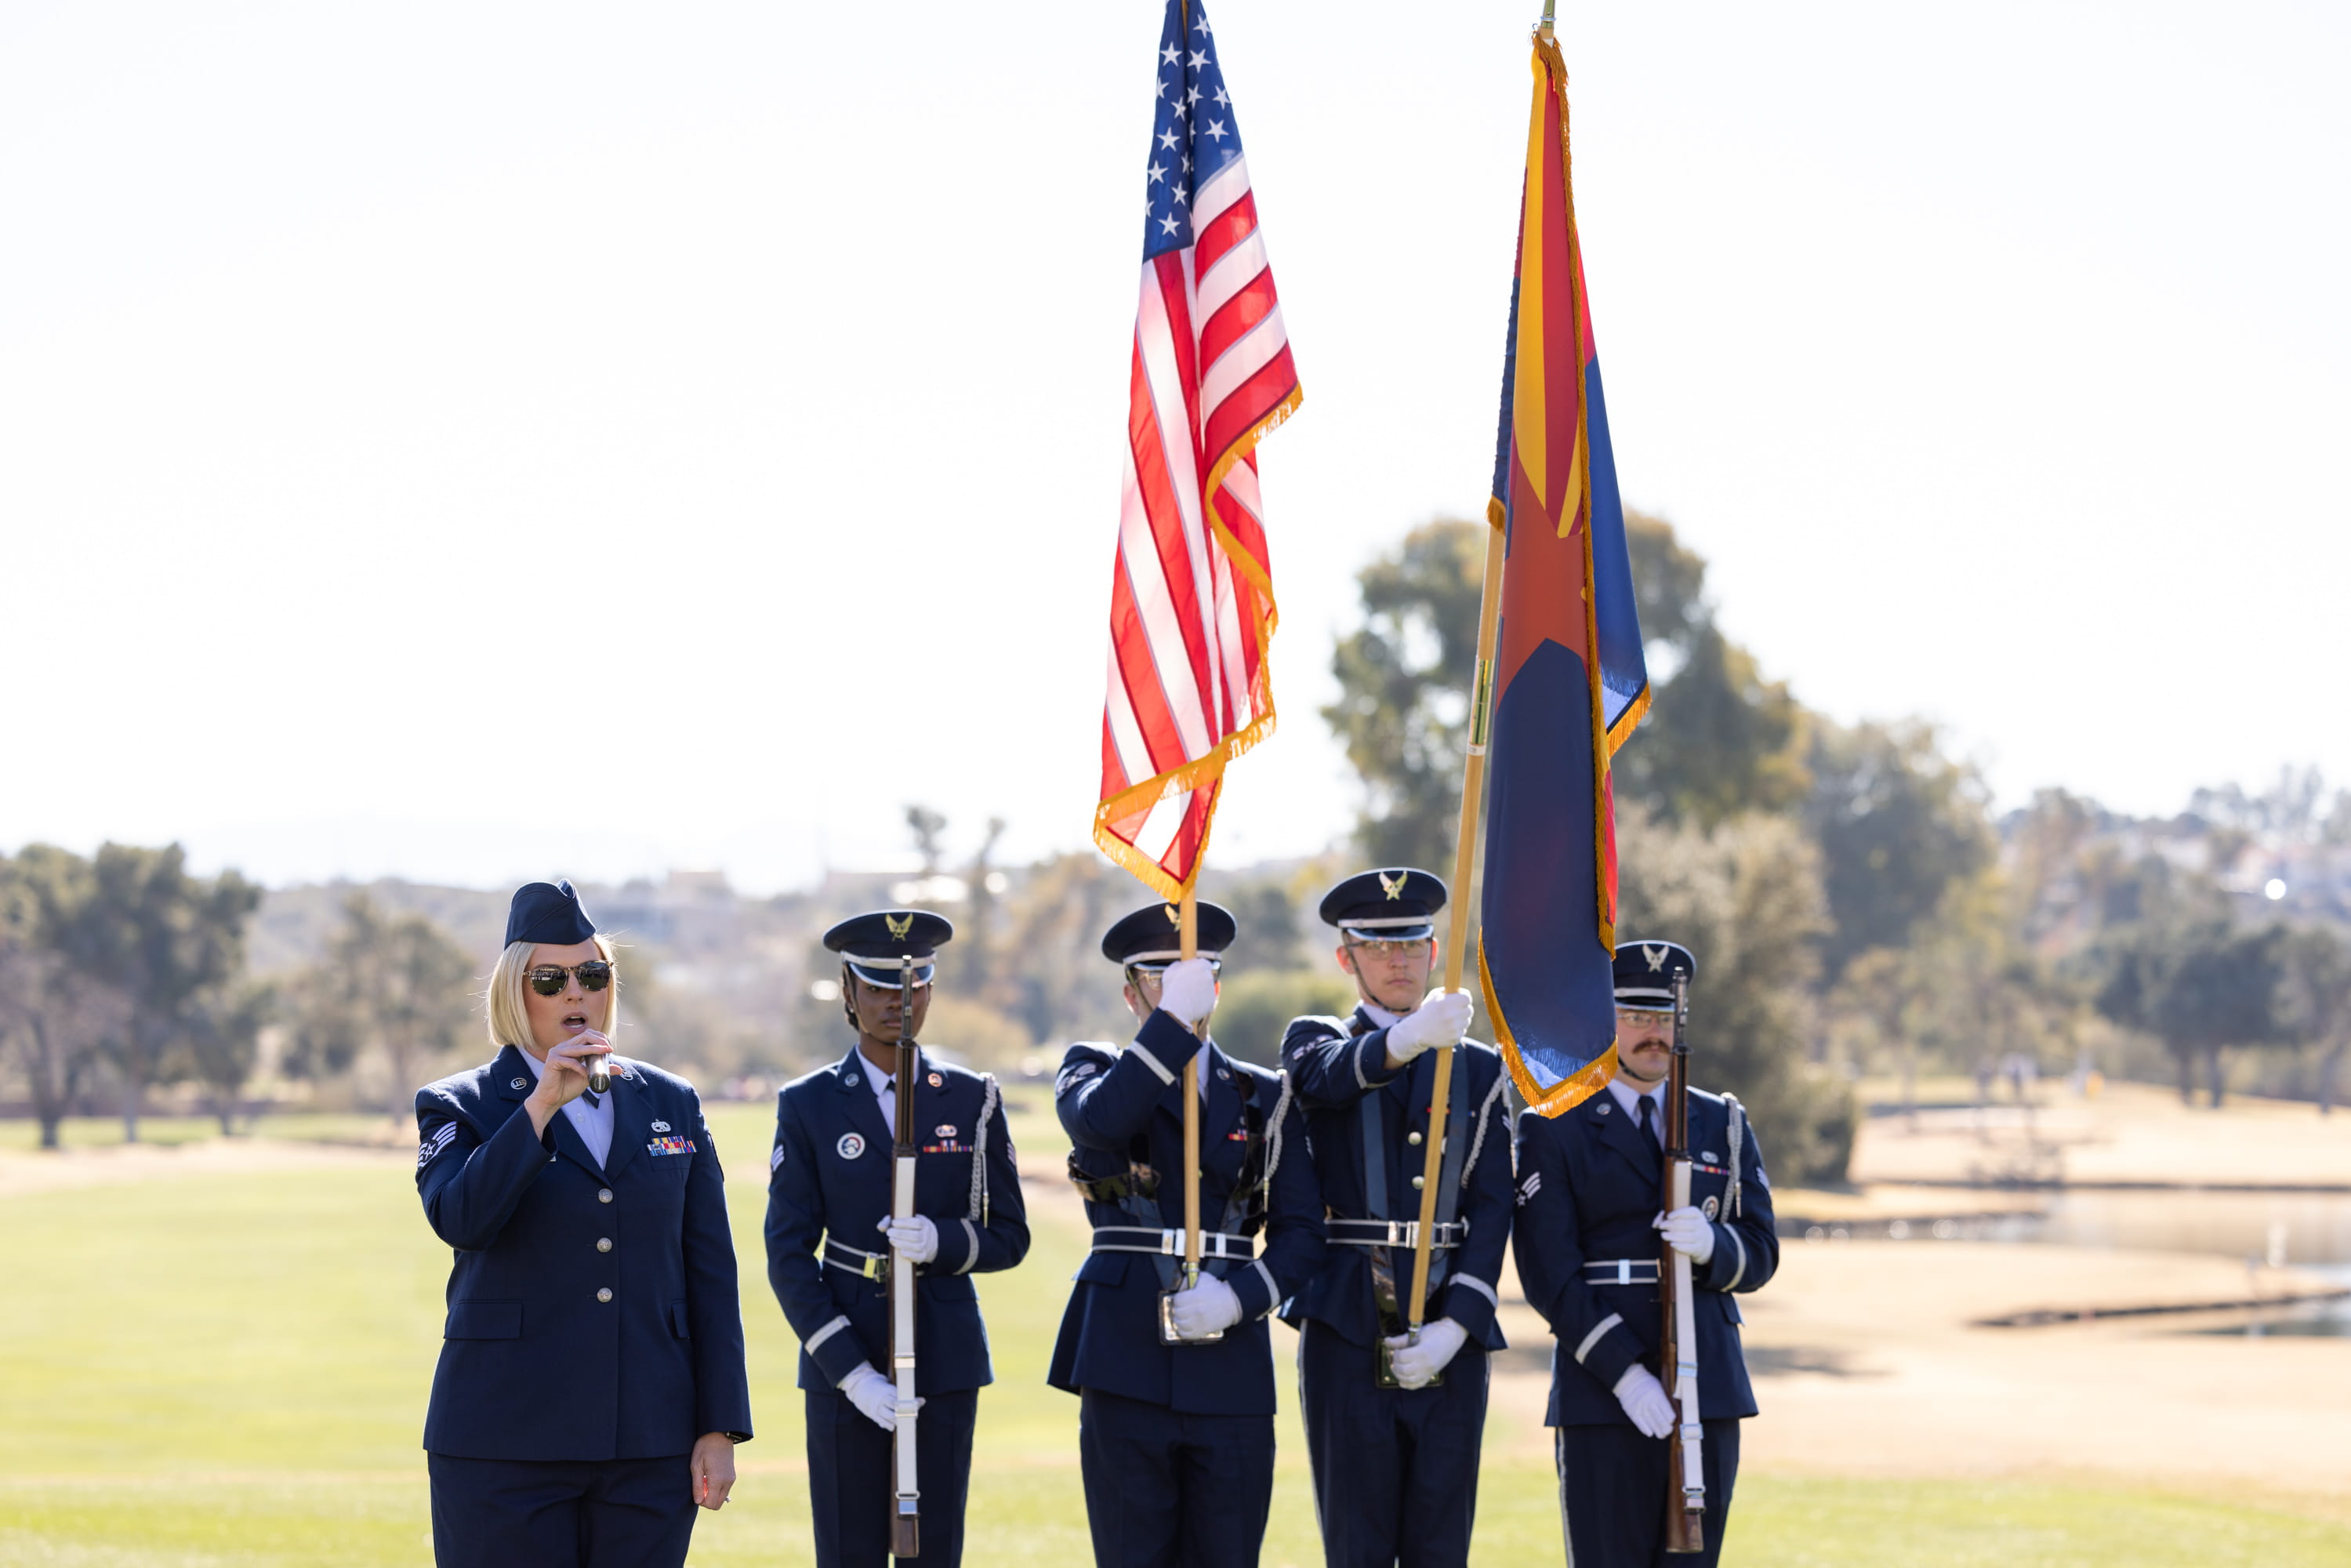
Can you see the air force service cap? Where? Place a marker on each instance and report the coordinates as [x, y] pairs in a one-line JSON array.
[[1644, 973], [1153, 936], [1398, 906], [872, 945], [549, 913]]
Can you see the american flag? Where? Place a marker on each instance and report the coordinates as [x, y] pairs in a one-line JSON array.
[[1192, 601]]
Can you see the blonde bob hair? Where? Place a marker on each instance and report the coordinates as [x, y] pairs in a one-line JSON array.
[[510, 1016]]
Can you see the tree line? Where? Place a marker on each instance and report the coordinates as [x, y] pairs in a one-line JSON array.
[[122, 973], [1853, 899], [1849, 893]]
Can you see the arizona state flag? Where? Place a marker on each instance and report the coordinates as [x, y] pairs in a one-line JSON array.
[[1569, 683]]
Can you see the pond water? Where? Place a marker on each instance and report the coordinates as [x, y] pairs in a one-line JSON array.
[[2310, 1231]]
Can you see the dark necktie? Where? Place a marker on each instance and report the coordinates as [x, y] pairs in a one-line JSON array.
[[590, 1095], [1649, 1125]]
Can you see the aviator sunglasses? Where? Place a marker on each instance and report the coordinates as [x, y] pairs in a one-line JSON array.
[[548, 980]]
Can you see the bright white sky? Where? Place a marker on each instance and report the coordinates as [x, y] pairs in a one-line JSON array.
[[477, 441]]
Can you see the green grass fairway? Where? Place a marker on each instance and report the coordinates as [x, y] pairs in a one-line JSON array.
[[227, 1369]]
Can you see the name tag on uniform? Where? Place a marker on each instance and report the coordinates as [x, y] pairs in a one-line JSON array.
[[670, 1146]]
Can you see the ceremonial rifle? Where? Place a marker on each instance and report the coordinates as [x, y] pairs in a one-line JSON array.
[[1684, 1473], [906, 1504]]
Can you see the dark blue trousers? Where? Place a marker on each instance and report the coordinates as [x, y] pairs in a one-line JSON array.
[[849, 1484], [560, 1513], [1612, 1495], [1395, 1470], [1164, 1488]]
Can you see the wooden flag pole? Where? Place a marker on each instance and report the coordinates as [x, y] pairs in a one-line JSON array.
[[1188, 946], [1456, 935]]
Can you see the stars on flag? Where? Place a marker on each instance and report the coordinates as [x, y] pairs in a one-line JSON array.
[[1189, 75]]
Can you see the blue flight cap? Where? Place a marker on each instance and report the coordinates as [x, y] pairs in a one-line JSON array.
[[1644, 973], [1395, 905], [1152, 937], [548, 912], [872, 945]]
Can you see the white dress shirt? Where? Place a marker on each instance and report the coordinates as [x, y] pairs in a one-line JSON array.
[[1628, 1099], [886, 1091], [592, 1122]]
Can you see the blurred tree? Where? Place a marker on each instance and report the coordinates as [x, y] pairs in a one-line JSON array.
[[54, 1015], [1883, 989], [2318, 1000], [1979, 994], [929, 828], [1403, 682], [1265, 917], [1061, 988], [1253, 1008], [2199, 988], [225, 1041], [1897, 825], [974, 954], [392, 983], [162, 938], [1745, 898], [1719, 739]]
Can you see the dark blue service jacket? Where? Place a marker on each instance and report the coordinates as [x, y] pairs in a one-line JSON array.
[[829, 1176], [1333, 1066], [1589, 1187], [592, 1313], [1122, 1107]]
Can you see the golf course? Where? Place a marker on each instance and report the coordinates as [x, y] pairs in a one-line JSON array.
[[217, 1351]]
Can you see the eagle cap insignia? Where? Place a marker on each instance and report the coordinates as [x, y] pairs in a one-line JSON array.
[[898, 927], [1393, 886], [1656, 956]]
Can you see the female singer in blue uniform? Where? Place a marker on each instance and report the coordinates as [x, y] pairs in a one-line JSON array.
[[591, 1386]]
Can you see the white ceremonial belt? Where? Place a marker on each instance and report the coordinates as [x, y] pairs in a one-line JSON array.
[[1170, 1243], [1394, 1232], [856, 1260], [1620, 1271]]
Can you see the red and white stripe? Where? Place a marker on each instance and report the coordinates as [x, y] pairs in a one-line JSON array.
[[1192, 601]]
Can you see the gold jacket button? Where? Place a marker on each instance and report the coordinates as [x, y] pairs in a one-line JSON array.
[[605, 1294], [603, 1195], [1412, 1138], [603, 1244]]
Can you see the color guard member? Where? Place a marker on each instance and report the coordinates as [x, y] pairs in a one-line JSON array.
[[829, 1237], [1395, 1447], [591, 1388], [1588, 1223], [1176, 1440]]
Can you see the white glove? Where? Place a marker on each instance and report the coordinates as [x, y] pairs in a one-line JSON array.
[[1691, 1233], [1440, 1019], [1416, 1365], [1204, 1308], [917, 1238], [1187, 992], [875, 1396], [1643, 1398]]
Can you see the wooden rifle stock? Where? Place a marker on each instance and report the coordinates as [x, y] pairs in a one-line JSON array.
[[905, 1501], [1684, 1473]]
